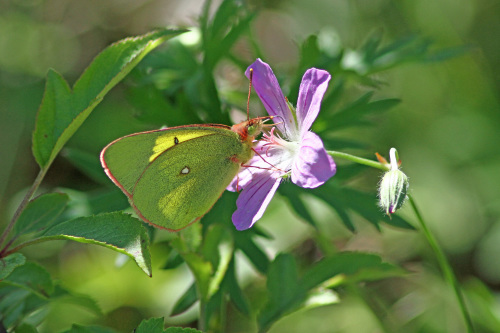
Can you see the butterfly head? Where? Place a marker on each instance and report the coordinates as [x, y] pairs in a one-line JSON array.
[[249, 129]]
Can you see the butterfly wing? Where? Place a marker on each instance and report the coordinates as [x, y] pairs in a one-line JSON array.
[[172, 177]]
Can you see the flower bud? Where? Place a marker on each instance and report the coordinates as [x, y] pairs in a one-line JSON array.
[[393, 187]]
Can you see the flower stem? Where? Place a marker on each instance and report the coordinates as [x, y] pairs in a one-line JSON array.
[[359, 160], [445, 267]]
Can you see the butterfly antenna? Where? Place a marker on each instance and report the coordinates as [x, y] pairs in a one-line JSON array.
[[249, 93]]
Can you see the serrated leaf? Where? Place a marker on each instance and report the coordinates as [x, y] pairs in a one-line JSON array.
[[186, 301], [33, 278], [153, 325], [63, 111], [9, 263], [117, 231], [41, 212]]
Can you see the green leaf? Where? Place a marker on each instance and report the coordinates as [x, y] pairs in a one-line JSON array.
[[18, 304], [288, 293], [66, 296], [186, 301], [231, 284], [9, 263], [174, 260], [63, 111], [353, 266], [243, 240], [292, 195], [285, 293], [153, 325], [355, 113], [41, 212], [181, 330], [331, 195], [89, 329], [117, 231], [26, 328], [202, 271], [33, 278], [225, 251]]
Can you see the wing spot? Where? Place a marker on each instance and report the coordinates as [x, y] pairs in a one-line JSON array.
[[185, 170], [176, 141]]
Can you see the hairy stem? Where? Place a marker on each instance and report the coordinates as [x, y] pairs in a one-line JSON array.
[[359, 160], [445, 267]]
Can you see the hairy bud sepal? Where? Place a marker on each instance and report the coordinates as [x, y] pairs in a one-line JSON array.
[[393, 187]]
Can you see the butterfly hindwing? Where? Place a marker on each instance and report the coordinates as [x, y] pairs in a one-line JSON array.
[[184, 182]]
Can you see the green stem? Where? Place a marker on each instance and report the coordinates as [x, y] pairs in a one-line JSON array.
[[26, 199], [30, 242], [202, 324], [441, 258], [359, 160], [445, 267]]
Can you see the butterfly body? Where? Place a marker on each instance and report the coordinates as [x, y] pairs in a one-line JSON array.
[[173, 176]]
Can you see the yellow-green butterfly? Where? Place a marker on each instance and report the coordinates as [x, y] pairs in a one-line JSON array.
[[173, 176]]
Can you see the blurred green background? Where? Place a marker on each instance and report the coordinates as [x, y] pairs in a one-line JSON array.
[[446, 130]]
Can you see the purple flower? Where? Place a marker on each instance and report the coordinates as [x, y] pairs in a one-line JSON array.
[[290, 151]]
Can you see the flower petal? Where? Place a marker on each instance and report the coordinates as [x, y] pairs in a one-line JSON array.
[[312, 166], [311, 92], [268, 89], [255, 164], [253, 200]]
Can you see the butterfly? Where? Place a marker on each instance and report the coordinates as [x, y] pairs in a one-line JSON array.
[[173, 176]]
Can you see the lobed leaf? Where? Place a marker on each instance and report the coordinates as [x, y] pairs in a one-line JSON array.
[[288, 293]]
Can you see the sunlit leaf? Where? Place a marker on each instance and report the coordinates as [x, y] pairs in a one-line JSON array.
[[64, 110]]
